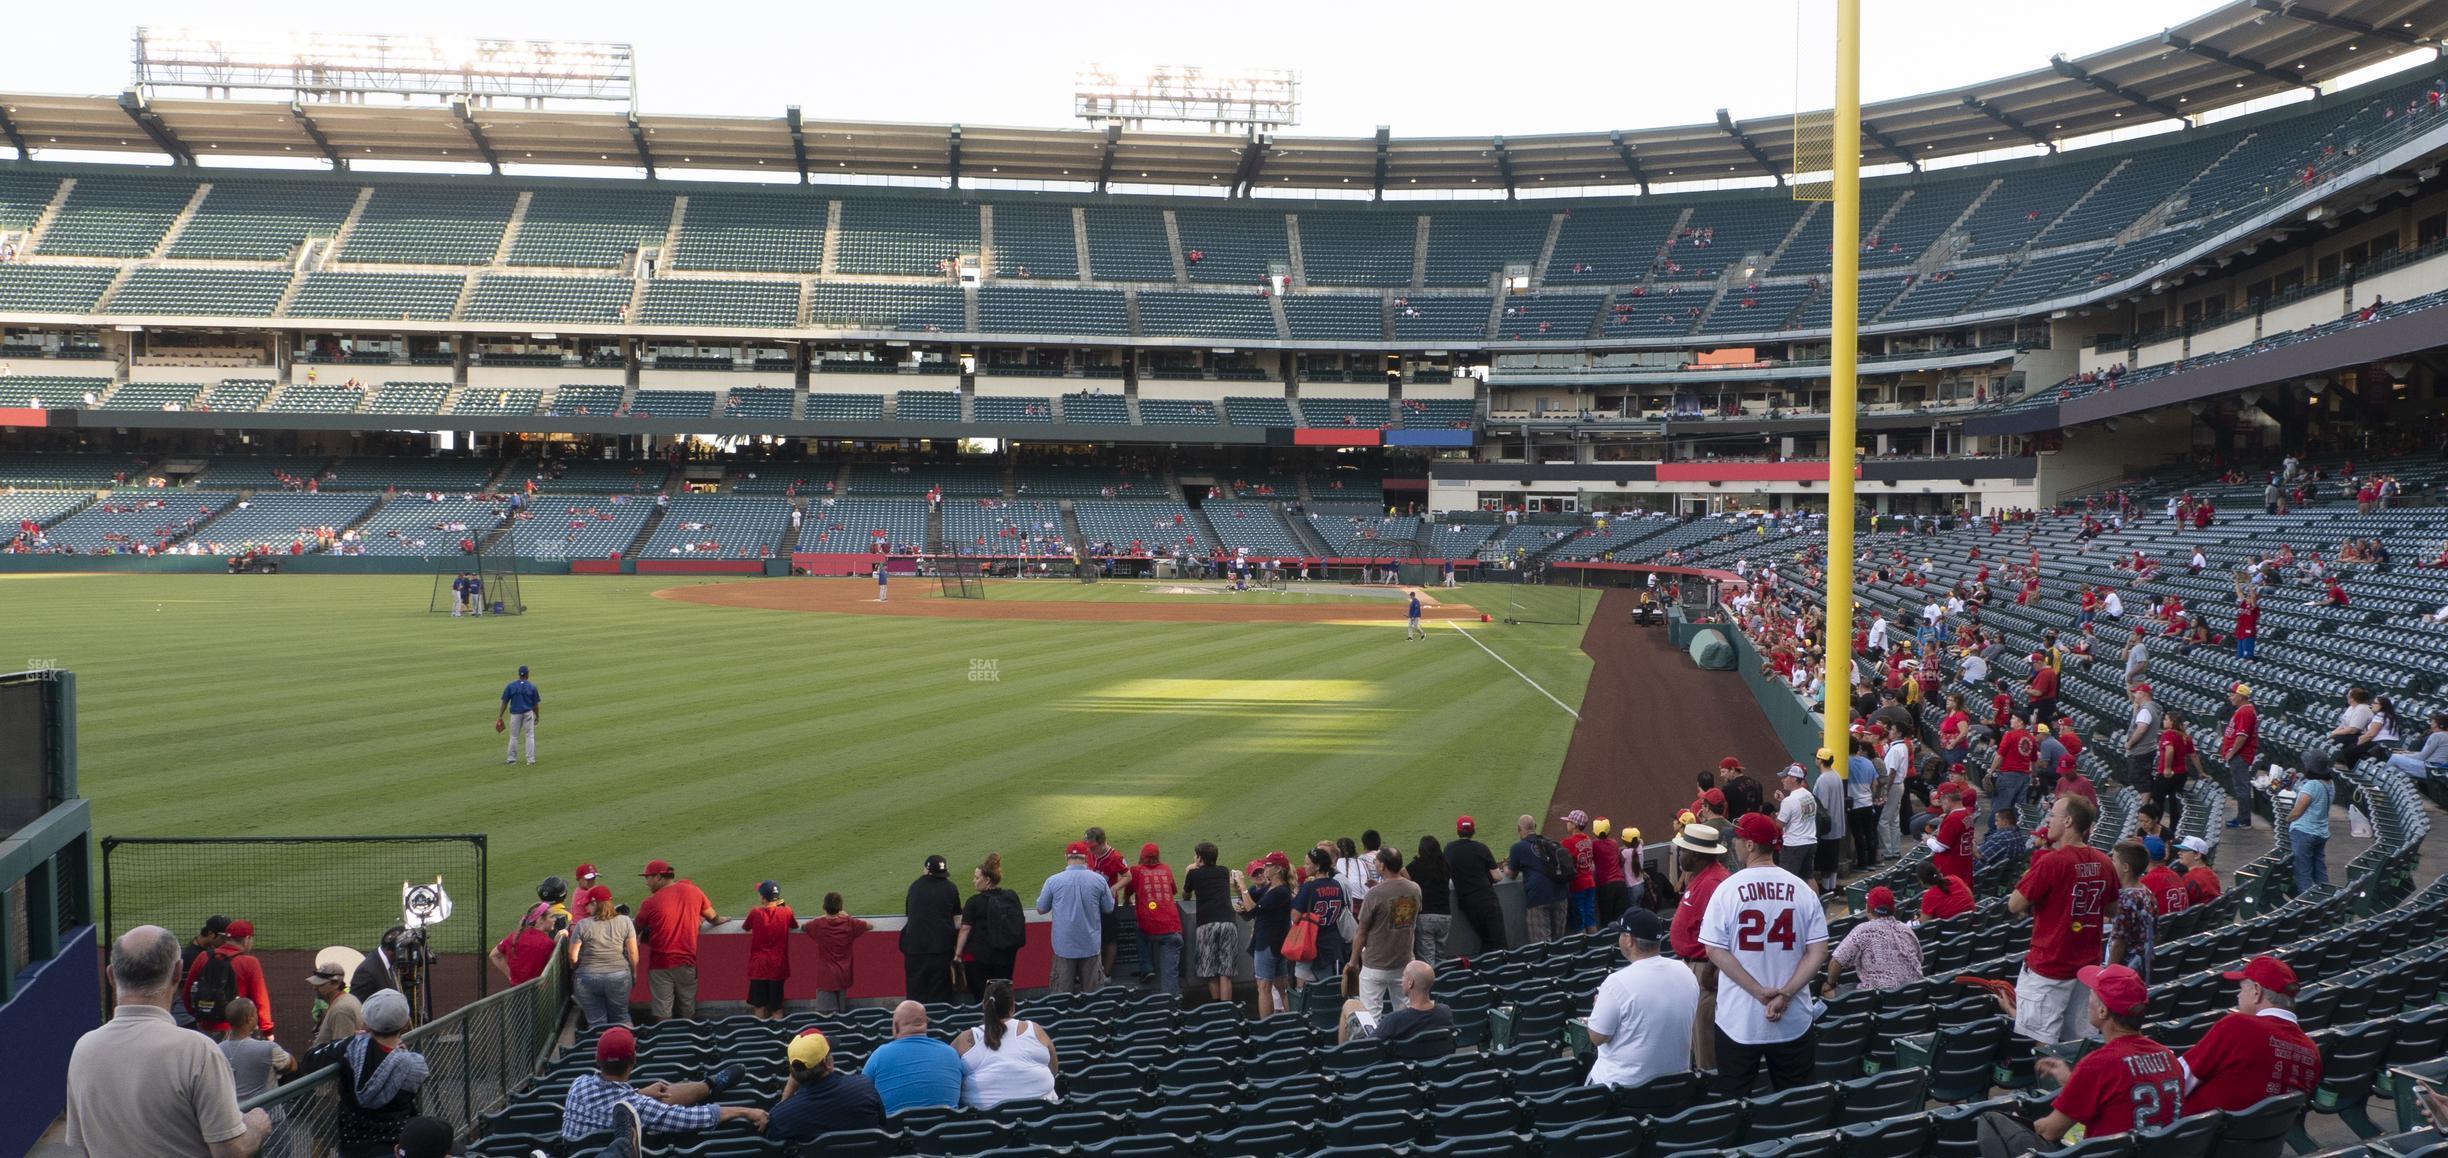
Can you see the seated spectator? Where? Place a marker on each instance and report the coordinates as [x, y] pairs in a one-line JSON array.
[[1943, 895], [605, 1099], [819, 1100], [1419, 1012], [1882, 952], [1641, 1019], [138, 1084], [914, 1070], [2256, 1051], [1006, 1059], [2128, 1083], [377, 1080]]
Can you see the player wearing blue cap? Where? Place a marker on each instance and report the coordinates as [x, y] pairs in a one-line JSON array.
[[1414, 631], [521, 703]]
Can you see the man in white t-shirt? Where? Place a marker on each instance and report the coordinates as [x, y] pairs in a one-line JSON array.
[[1767, 936], [1641, 1021], [1877, 639], [1798, 815], [2114, 606]]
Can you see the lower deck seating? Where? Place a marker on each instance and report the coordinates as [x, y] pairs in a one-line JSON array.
[[1257, 526], [579, 527], [133, 520], [1156, 525], [278, 519], [719, 526], [860, 526], [993, 527], [414, 525]]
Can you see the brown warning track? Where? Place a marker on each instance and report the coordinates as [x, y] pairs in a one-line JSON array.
[[915, 598], [1650, 722]]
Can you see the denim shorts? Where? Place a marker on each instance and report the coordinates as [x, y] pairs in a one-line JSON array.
[[1268, 965]]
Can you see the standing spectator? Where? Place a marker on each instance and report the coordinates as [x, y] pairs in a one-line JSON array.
[[1942, 896], [817, 1099], [769, 928], [2238, 743], [2308, 824], [1542, 890], [2172, 769], [992, 930], [1798, 819], [1743, 794], [2066, 891], [213, 935], [1149, 889], [1107, 861], [2255, 1052], [342, 1014], [930, 917], [836, 934], [1642, 1018], [2201, 881], [1828, 793], [605, 1099], [673, 912], [1388, 930], [1322, 900], [521, 706], [915, 1069], [1607, 860], [1418, 1012], [139, 1084], [1862, 805], [1269, 906], [1882, 952], [1007, 1059], [1767, 936], [1354, 869], [1700, 865], [1078, 899], [2129, 1083], [2134, 927], [378, 1079], [521, 956], [1581, 897], [227, 973], [1215, 937], [1428, 870], [603, 953], [256, 1064], [1474, 885]]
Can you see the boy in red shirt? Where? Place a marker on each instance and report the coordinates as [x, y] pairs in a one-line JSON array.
[[2068, 891], [2168, 892], [834, 934], [769, 927], [2238, 744], [1951, 849], [2202, 883], [2256, 1052], [1148, 891], [2129, 1083]]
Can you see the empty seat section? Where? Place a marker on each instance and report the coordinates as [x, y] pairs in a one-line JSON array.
[[1359, 246], [1056, 482], [86, 472], [578, 527], [530, 298], [241, 293], [277, 519], [822, 407], [1467, 246], [2127, 260], [128, 520], [700, 302], [1876, 291], [904, 237], [23, 197], [413, 525], [263, 220], [967, 479], [720, 526], [317, 399], [600, 228], [1347, 486], [588, 399], [1809, 252], [1720, 234], [1176, 412], [464, 475], [1172, 313], [1004, 528], [999, 408], [478, 399], [1234, 245], [408, 398], [1034, 237], [1252, 411], [116, 215], [36, 507], [235, 394], [1007, 309], [1746, 311], [1945, 292], [785, 478], [37, 289], [151, 396], [782, 231], [49, 391], [1095, 408], [1609, 244], [2149, 177], [1156, 525], [2026, 203], [1458, 540], [1316, 317], [672, 403], [760, 402], [1438, 413], [1348, 413], [444, 224], [424, 297], [1916, 226], [2039, 278], [837, 306], [1424, 319], [587, 475], [1659, 311], [927, 405], [1254, 525], [1127, 243], [1550, 316], [861, 526], [1363, 536]]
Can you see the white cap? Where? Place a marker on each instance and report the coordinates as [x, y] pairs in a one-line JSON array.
[[2194, 844]]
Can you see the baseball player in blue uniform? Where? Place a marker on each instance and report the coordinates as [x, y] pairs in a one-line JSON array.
[[881, 579], [1415, 632], [521, 703]]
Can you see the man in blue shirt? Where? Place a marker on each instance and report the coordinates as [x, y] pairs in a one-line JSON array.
[[1415, 632], [475, 595], [914, 1070], [1078, 900], [521, 703], [883, 577], [818, 1100], [1542, 895]]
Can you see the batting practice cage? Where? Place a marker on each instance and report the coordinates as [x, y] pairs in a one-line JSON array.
[[959, 577], [1560, 595], [492, 584], [423, 897]]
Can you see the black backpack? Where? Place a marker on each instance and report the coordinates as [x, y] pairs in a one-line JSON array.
[[208, 1000], [1553, 861], [1006, 925]]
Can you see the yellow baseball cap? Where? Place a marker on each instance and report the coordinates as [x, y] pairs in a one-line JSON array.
[[2244, 690], [1600, 827], [810, 1048]]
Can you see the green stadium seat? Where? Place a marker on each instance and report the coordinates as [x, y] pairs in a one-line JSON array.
[[599, 228], [251, 220], [402, 296], [239, 293], [449, 223]]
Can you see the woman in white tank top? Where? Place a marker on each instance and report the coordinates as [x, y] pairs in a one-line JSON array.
[[1019, 1066]]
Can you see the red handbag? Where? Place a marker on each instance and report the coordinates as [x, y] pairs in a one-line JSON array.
[[1300, 941]]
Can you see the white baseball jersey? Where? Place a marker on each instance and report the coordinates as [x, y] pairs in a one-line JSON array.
[[1768, 919]]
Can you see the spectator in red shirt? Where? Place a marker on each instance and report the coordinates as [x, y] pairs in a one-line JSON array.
[[1951, 848], [1700, 865], [2202, 884], [2168, 893], [834, 933], [520, 957], [670, 918], [245, 971], [2256, 1052], [1106, 861], [2042, 690], [769, 928], [1581, 908], [1148, 892], [1946, 895], [2247, 623], [2238, 744], [2073, 783], [2068, 891], [2174, 766], [2129, 1083]]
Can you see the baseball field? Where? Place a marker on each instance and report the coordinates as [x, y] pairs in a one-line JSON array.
[[784, 729]]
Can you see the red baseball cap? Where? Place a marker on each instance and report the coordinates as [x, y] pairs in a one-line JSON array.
[[2119, 989], [1078, 848], [1715, 797], [657, 868], [241, 928], [586, 872], [2142, 688], [1729, 762], [1465, 824], [2267, 972], [598, 893], [1149, 853], [1758, 829], [616, 1045], [1880, 900]]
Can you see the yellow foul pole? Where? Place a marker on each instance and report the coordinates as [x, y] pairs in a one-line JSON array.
[[1845, 290]]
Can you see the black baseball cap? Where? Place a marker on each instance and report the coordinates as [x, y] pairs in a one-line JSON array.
[[216, 926], [424, 1138], [1642, 925]]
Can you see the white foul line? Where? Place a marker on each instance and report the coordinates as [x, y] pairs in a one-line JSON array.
[[1516, 671]]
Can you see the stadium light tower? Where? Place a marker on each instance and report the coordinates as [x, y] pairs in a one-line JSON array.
[[1251, 101], [334, 67]]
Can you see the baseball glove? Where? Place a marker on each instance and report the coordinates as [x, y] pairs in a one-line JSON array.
[[500, 725]]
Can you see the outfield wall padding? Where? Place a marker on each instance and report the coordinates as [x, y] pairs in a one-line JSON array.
[[57, 1001], [701, 566], [219, 564]]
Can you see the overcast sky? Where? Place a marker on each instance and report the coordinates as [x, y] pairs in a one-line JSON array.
[[1425, 67]]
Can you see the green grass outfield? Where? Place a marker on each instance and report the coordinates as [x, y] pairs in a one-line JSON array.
[[830, 752]]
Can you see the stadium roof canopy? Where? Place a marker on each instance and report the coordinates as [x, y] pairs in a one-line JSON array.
[[2237, 52]]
